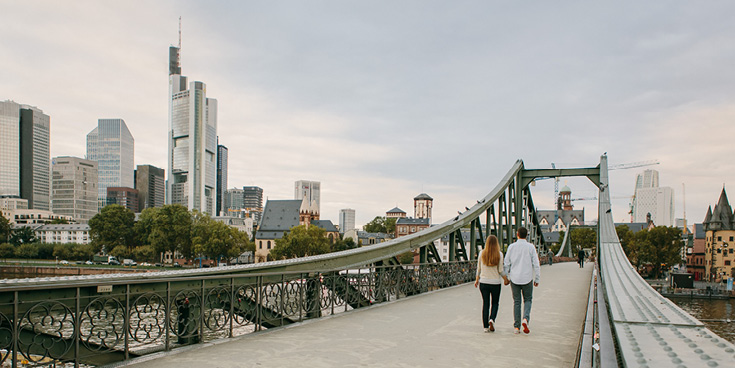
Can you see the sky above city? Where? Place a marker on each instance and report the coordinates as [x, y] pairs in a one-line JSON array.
[[383, 100]]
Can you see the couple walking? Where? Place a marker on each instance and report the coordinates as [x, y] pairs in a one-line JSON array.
[[520, 268]]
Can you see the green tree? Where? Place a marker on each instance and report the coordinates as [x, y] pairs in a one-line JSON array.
[[46, 251], [627, 241], [406, 258], [171, 230], [343, 244], [661, 248], [301, 242], [216, 240], [27, 250], [6, 251], [582, 237], [145, 253], [112, 227], [144, 226], [59, 221], [63, 251], [121, 252], [22, 235], [82, 252], [5, 229], [381, 225]]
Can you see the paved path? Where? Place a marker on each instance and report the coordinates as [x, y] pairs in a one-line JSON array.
[[438, 329]]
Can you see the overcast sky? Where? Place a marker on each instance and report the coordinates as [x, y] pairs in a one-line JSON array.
[[383, 100]]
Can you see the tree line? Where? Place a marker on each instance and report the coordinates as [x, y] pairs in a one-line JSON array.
[[115, 231]]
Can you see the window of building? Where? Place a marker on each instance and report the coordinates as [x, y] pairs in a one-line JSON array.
[[719, 250], [269, 244], [719, 238], [731, 250], [731, 238], [727, 263], [413, 229], [260, 244]]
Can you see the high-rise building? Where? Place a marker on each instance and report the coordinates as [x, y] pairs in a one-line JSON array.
[[126, 197], [150, 181], [113, 147], [25, 159], [192, 141], [308, 189], [647, 179], [221, 179], [346, 220], [651, 201], [74, 188], [252, 200], [235, 199]]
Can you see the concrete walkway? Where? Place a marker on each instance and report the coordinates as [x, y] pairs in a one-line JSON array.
[[438, 329]]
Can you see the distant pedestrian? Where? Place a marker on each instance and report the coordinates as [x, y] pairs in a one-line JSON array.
[[523, 269], [550, 255], [489, 275], [580, 258]]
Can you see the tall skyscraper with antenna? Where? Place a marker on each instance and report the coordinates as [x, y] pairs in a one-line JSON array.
[[192, 140]]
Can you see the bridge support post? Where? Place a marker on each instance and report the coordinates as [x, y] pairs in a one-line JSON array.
[[186, 327], [313, 291]]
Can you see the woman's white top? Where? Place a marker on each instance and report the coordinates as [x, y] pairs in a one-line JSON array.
[[490, 274]]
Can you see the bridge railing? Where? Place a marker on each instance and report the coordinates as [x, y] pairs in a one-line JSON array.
[[645, 328], [111, 321]]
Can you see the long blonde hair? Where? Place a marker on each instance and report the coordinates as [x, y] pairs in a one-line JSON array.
[[491, 254]]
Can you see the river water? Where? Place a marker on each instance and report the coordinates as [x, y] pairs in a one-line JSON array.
[[712, 309]]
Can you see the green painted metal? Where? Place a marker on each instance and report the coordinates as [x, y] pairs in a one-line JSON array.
[[593, 173]]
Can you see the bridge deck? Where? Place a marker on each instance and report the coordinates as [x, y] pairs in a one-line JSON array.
[[439, 329]]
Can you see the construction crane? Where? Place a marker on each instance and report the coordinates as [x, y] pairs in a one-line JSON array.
[[633, 165]]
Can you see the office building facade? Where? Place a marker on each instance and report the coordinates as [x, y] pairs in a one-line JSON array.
[[346, 220], [192, 142], [221, 179], [150, 181], [123, 196], [25, 159], [112, 146], [308, 189], [651, 201], [74, 188], [252, 201]]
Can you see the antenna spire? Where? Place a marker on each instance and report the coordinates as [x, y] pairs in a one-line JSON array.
[[179, 32]]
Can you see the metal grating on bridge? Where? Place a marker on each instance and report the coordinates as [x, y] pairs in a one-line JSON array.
[[651, 330]]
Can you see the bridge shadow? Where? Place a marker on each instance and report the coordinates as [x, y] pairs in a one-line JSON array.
[[437, 329]]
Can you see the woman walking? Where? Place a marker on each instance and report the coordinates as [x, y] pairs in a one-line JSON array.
[[490, 275]]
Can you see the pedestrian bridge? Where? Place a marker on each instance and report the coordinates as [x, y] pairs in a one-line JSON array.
[[112, 319], [442, 328]]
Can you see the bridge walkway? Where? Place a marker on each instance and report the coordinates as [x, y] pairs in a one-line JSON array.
[[437, 329]]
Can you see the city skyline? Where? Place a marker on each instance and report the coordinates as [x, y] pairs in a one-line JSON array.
[[380, 103]]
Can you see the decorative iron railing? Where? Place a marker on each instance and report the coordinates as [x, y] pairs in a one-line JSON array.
[[114, 321]]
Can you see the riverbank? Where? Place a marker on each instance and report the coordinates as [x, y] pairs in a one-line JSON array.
[[16, 271]]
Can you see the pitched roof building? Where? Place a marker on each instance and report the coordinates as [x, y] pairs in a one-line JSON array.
[[278, 217], [719, 228]]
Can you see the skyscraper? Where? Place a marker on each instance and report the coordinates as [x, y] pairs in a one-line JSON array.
[[346, 220], [150, 181], [192, 141], [650, 199], [25, 159], [648, 179], [113, 147], [235, 199], [74, 188], [252, 200], [309, 189], [221, 179]]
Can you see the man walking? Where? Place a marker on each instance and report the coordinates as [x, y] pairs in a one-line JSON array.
[[580, 258], [524, 272]]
